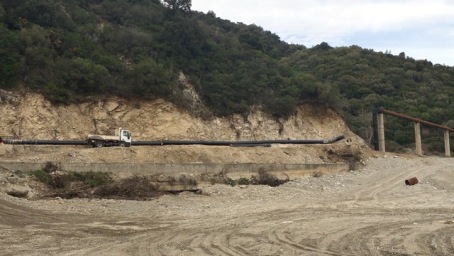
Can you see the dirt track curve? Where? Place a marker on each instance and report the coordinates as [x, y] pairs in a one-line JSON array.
[[366, 212]]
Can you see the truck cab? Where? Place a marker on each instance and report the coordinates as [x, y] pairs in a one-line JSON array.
[[125, 136]]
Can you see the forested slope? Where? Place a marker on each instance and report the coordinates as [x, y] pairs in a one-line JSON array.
[[75, 49]]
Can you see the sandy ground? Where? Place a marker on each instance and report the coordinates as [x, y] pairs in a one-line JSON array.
[[369, 211]]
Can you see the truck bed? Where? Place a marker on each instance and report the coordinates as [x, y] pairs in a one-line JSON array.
[[101, 137]]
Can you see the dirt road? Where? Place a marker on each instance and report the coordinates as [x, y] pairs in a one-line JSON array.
[[365, 212]]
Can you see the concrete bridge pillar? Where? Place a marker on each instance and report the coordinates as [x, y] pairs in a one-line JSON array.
[[381, 133], [447, 146], [418, 139]]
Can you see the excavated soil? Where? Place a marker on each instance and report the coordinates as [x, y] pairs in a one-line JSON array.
[[368, 211]]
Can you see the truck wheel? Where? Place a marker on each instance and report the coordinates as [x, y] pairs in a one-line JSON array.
[[122, 144], [99, 144]]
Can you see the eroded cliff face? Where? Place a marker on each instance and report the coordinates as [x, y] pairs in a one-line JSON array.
[[30, 116]]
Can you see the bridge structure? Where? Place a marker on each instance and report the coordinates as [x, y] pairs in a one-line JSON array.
[[379, 130]]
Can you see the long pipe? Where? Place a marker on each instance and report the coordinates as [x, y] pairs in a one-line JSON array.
[[178, 142], [44, 142], [233, 143]]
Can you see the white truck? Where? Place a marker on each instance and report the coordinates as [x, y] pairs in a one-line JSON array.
[[122, 138]]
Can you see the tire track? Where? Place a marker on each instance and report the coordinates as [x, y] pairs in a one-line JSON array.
[[362, 241], [440, 242], [280, 237], [384, 184], [291, 221], [217, 244]]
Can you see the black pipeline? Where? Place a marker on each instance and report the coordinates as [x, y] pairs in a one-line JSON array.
[[43, 142], [251, 143], [234, 143]]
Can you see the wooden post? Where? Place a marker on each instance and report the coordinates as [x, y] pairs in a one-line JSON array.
[[418, 139], [381, 133], [447, 147]]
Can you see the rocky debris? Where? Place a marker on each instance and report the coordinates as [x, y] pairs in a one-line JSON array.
[[16, 184]]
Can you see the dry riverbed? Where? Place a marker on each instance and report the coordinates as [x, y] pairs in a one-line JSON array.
[[369, 211]]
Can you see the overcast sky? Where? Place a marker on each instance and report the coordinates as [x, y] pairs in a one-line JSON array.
[[423, 29]]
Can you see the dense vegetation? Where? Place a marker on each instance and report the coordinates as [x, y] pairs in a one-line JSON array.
[[73, 49]]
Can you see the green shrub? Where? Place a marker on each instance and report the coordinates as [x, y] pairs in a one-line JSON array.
[[63, 179], [263, 178], [43, 176], [243, 181], [137, 187], [231, 182], [91, 179]]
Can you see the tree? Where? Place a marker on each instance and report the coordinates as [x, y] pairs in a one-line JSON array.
[[10, 58], [46, 13], [2, 13], [175, 5], [149, 79]]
